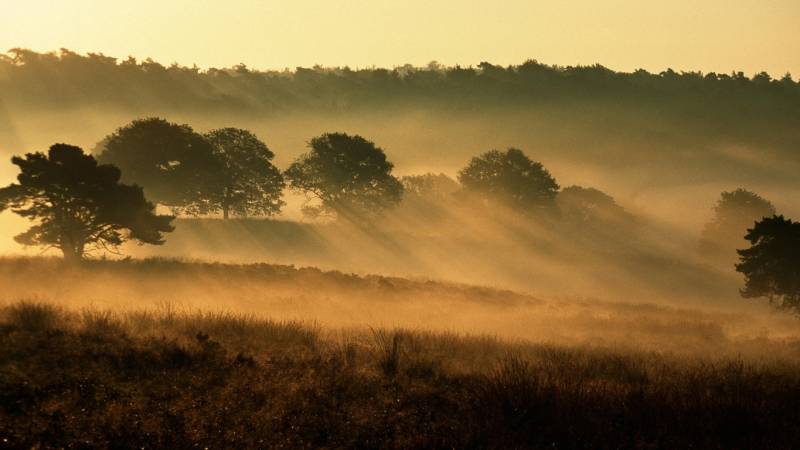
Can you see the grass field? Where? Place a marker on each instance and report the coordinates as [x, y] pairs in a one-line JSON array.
[[173, 354], [171, 380]]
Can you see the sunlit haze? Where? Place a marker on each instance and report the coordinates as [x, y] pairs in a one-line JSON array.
[[400, 224]]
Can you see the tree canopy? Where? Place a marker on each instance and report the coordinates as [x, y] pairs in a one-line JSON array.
[[79, 205], [510, 178], [429, 185], [251, 185], [345, 175], [94, 78], [734, 213], [176, 166], [771, 265], [586, 205]]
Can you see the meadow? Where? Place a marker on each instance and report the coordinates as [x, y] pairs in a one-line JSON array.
[[181, 354]]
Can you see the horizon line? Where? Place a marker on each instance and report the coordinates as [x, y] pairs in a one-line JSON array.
[[433, 64]]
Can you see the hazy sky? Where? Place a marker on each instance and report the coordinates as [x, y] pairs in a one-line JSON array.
[[708, 35]]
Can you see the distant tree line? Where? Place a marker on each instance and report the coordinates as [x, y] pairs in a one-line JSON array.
[[66, 78]]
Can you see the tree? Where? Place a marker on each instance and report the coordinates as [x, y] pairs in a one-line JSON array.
[[771, 265], [579, 205], [80, 205], [510, 178], [429, 185], [427, 199], [735, 212], [252, 185], [346, 175], [177, 167]]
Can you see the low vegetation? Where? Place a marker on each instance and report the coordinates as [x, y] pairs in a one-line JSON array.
[[144, 379], [338, 300]]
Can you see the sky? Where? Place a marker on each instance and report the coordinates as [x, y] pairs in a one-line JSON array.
[[705, 35]]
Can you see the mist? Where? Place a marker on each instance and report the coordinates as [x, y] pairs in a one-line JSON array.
[[663, 158], [671, 197]]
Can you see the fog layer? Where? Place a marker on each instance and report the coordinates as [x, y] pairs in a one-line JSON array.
[[662, 145]]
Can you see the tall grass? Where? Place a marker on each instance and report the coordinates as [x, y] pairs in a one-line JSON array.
[[337, 300], [176, 379]]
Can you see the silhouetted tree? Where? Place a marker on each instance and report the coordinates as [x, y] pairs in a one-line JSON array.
[[78, 205], [580, 205], [735, 212], [176, 166], [771, 265], [252, 185], [346, 175], [510, 177]]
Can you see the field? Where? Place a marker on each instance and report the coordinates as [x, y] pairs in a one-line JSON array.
[[150, 353]]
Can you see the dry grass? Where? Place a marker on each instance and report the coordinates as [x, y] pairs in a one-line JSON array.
[[336, 300], [173, 379]]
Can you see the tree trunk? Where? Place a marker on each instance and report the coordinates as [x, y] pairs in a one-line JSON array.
[[71, 255], [225, 205], [72, 250]]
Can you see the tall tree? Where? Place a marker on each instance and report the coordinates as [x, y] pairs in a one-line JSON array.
[[176, 166], [78, 204], [510, 178], [252, 185], [345, 175], [771, 265]]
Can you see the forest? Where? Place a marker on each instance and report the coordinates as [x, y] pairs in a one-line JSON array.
[[97, 80]]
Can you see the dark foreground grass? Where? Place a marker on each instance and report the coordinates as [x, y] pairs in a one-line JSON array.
[[146, 380]]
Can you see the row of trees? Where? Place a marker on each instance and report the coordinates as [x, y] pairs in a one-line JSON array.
[[80, 205], [230, 171]]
